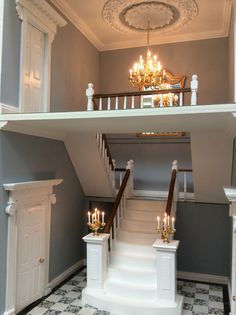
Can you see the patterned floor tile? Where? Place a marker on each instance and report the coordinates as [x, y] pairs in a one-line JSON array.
[[199, 299]]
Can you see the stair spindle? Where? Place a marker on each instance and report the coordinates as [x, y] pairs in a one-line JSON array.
[[125, 102], [108, 103], [117, 103], [132, 104], [181, 99]]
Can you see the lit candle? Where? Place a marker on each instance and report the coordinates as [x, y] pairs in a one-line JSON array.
[[130, 72], [98, 215], [93, 217], [164, 72], [168, 221], [158, 222], [103, 217], [89, 217], [173, 223], [95, 214]]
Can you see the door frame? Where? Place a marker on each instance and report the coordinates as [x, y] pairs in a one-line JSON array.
[[21, 196], [42, 16]]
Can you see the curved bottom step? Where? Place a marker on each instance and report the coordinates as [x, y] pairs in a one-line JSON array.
[[114, 305]]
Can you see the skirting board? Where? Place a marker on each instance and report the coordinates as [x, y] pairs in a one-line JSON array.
[[8, 109], [67, 273], [202, 277], [161, 194]]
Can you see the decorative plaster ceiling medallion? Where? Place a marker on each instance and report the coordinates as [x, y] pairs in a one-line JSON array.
[[129, 16]]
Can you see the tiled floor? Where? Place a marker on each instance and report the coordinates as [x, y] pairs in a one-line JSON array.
[[199, 299]]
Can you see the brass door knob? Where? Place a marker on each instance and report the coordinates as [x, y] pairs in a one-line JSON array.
[[234, 298], [41, 260]]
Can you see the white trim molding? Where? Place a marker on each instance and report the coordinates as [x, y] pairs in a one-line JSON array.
[[66, 274], [8, 109], [203, 277], [41, 15], [22, 195]]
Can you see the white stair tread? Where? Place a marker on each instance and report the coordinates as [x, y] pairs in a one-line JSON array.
[[137, 232]]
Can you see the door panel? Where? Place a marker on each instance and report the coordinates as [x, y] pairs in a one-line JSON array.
[[34, 65], [30, 248]]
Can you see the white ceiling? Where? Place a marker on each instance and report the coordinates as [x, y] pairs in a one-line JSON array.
[[211, 21]]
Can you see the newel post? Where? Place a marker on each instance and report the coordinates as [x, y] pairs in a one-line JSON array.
[[97, 260], [194, 89], [166, 270], [89, 94]]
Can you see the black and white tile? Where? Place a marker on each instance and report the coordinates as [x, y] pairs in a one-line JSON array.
[[199, 299]]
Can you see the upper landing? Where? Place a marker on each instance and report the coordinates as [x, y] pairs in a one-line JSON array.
[[199, 118]]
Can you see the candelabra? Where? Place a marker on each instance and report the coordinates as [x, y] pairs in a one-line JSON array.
[[165, 229], [94, 222]]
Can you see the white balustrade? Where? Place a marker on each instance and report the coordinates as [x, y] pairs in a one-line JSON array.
[[194, 89], [171, 97]]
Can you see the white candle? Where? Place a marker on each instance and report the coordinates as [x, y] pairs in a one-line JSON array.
[[103, 217], [164, 223], [168, 220], [173, 222], [158, 222], [93, 217], [98, 216], [89, 217], [95, 214]]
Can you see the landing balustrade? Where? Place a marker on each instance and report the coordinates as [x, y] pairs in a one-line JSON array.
[[173, 97]]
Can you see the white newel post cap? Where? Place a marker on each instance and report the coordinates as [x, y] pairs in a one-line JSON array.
[[91, 238], [169, 247]]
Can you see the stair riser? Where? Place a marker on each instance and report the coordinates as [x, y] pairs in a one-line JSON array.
[[133, 249], [133, 262], [137, 238], [149, 205], [138, 226], [141, 278], [150, 216], [127, 293]]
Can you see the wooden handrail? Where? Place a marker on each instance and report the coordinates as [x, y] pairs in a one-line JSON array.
[[187, 170], [171, 192], [138, 93], [120, 169], [108, 151], [117, 202]]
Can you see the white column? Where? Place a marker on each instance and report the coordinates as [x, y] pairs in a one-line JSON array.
[[166, 270], [230, 193], [97, 260]]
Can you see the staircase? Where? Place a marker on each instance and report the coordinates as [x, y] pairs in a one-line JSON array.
[[131, 284]]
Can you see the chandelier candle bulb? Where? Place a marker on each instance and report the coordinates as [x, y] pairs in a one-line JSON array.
[[158, 222], [166, 230]]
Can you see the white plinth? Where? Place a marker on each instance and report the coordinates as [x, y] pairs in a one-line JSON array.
[[97, 260], [166, 270]]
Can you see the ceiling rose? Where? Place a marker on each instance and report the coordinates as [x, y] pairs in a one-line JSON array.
[[129, 16]]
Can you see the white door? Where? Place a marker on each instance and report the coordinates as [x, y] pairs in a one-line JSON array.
[[30, 269], [34, 70]]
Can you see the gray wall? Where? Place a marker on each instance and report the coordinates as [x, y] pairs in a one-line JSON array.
[[231, 59], [207, 58], [10, 55], [75, 63], [152, 159], [204, 234], [25, 158]]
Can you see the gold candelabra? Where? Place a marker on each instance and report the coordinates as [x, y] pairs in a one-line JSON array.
[[166, 230], [94, 222]]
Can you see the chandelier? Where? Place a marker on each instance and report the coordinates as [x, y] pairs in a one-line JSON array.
[[147, 73]]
